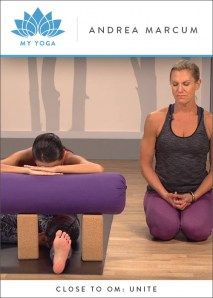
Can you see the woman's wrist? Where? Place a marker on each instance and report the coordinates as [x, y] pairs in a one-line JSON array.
[[26, 171], [164, 195], [22, 170], [197, 196], [57, 169], [193, 196]]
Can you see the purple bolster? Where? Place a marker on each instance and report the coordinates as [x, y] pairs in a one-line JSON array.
[[97, 193]]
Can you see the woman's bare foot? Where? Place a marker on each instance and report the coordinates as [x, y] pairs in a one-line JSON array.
[[61, 247]]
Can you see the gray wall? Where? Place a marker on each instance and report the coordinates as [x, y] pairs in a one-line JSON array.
[[89, 148], [97, 106]]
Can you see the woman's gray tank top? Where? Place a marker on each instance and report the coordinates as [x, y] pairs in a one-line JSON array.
[[181, 161]]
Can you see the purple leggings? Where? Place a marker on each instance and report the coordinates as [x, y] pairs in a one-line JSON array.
[[164, 221]]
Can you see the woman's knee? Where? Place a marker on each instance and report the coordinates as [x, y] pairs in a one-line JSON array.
[[163, 227], [162, 219], [164, 233], [196, 221], [196, 232]]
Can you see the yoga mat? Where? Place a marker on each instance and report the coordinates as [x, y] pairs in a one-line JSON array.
[[10, 263]]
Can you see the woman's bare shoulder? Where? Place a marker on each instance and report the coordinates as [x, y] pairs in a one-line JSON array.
[[19, 157], [158, 115], [154, 121], [208, 115], [72, 158], [159, 112]]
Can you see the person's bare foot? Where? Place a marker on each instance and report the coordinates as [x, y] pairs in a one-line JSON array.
[[61, 246]]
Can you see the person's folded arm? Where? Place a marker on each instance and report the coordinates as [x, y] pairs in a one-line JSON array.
[[10, 164], [74, 164], [88, 167], [13, 169]]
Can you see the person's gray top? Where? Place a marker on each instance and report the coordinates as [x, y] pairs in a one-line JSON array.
[[181, 161]]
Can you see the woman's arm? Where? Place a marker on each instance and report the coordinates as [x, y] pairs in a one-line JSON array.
[[13, 169], [206, 185], [11, 163], [183, 200], [73, 164], [79, 164], [146, 157]]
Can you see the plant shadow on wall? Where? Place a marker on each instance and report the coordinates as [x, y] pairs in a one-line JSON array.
[[50, 96], [144, 71]]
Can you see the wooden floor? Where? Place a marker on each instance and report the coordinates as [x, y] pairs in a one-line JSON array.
[[132, 254]]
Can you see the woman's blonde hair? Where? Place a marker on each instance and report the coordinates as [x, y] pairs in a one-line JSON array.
[[187, 64]]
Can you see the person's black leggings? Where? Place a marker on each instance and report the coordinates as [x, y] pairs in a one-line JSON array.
[[48, 224]]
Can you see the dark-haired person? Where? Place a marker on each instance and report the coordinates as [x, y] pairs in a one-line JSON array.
[[47, 156], [179, 193]]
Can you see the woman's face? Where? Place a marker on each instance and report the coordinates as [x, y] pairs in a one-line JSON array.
[[183, 86]]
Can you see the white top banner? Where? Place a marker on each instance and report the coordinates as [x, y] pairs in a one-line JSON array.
[[106, 28]]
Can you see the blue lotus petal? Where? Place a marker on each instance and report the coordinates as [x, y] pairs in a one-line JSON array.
[[34, 23], [52, 33], [49, 16], [37, 23], [19, 23], [45, 28], [31, 29], [56, 32], [31, 26], [51, 24], [26, 16], [22, 32], [26, 33], [24, 25], [50, 30], [27, 30], [37, 15], [20, 26], [56, 23], [19, 32], [42, 22]]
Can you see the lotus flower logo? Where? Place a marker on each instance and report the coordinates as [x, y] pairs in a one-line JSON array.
[[37, 24]]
